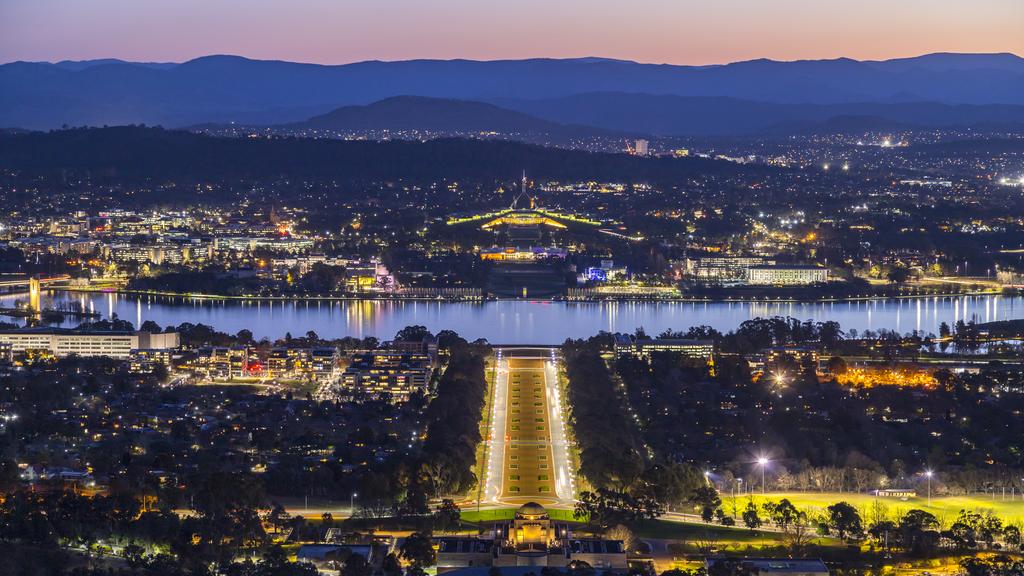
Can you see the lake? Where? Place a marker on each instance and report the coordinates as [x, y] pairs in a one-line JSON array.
[[525, 321]]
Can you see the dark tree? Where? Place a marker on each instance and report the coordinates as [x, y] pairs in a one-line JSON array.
[[418, 550], [845, 520]]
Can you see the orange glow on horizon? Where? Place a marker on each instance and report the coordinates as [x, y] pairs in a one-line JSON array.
[[655, 31]]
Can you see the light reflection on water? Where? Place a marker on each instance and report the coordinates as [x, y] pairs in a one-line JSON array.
[[520, 321]]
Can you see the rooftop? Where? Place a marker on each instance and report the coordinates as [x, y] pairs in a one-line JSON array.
[[49, 330]]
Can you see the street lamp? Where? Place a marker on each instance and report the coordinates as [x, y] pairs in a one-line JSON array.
[[737, 483], [352, 504], [928, 474], [762, 462], [780, 378]]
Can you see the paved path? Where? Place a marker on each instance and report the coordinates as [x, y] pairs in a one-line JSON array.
[[528, 451]]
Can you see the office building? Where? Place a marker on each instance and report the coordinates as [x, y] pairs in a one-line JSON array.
[[626, 345], [323, 363], [780, 356], [786, 275], [145, 361], [393, 374], [61, 342], [722, 269], [523, 254], [224, 363]]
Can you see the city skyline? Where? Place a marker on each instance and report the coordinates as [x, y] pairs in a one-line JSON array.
[[464, 288], [655, 31]]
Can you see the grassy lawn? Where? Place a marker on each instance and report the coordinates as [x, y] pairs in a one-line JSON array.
[[299, 387], [670, 530], [502, 514], [723, 537], [229, 387], [944, 508]]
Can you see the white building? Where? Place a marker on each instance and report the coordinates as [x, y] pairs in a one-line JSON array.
[[786, 275], [159, 254], [64, 342], [722, 268], [248, 244], [641, 147]]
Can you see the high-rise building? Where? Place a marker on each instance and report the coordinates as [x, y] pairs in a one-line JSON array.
[[34, 290], [640, 149]]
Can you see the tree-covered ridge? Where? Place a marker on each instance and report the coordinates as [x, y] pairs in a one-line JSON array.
[[138, 153]]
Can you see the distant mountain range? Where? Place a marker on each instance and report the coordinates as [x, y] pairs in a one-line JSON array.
[[603, 93], [685, 115], [610, 114]]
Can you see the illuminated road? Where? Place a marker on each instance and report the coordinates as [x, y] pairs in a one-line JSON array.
[[528, 452], [565, 480], [496, 435]]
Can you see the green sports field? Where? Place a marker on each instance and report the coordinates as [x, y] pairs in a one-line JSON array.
[[944, 508]]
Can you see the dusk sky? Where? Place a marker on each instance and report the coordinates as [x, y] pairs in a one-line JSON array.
[[340, 31]]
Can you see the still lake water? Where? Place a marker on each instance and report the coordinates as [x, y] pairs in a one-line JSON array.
[[524, 321]]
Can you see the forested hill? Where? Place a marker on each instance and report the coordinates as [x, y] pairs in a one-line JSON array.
[[139, 153], [443, 116]]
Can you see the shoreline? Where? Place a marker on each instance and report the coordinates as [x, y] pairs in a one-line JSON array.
[[484, 299]]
